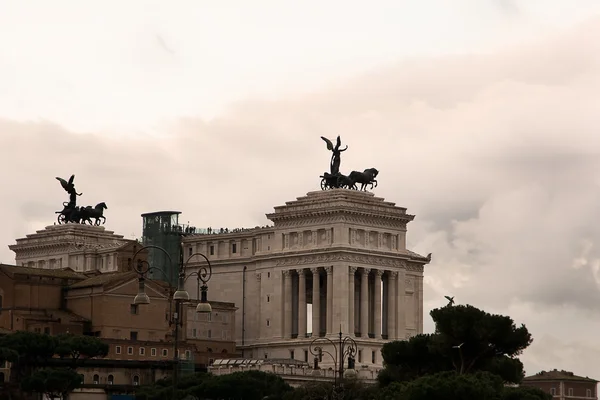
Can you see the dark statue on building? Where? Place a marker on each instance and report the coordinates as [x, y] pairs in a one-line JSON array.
[[79, 215], [334, 179]]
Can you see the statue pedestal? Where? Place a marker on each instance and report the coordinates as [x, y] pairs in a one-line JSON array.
[[83, 248]]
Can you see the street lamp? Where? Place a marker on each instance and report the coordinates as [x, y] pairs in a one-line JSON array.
[[180, 295], [344, 350]]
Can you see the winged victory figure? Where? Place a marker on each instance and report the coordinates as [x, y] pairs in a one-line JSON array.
[[336, 151], [69, 188], [450, 299]]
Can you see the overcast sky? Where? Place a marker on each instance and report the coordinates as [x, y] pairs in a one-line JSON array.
[[482, 116]]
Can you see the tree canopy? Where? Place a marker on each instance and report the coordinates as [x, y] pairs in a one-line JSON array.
[[466, 340], [32, 356]]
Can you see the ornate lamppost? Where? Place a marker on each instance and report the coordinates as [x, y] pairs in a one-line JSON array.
[[345, 349], [179, 295]]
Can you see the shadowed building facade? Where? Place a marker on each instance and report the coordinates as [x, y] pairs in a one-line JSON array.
[[338, 256], [563, 385]]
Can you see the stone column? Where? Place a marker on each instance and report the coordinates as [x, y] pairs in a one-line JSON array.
[[316, 302], [329, 271], [351, 321], [400, 306], [301, 303], [419, 302], [391, 304], [364, 303], [377, 295], [287, 307]]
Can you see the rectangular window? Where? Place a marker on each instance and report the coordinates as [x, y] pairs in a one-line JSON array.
[[130, 350], [234, 248], [570, 391], [47, 330], [165, 352], [133, 335], [188, 355], [209, 334], [552, 391], [153, 352], [305, 355], [190, 252], [588, 393], [268, 323], [142, 351], [134, 309], [224, 335], [117, 349], [194, 332], [360, 356], [212, 250], [373, 357], [292, 354]]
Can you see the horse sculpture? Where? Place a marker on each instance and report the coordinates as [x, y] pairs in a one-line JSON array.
[[367, 177], [87, 213]]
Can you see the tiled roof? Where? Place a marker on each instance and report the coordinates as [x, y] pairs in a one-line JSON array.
[[55, 273], [556, 375], [104, 279]]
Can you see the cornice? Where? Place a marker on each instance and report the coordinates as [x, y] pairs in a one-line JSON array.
[[352, 258]]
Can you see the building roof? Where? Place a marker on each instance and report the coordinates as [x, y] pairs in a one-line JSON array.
[[67, 273], [556, 375], [112, 278]]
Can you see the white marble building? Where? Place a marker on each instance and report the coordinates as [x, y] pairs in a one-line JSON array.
[[82, 248], [351, 243]]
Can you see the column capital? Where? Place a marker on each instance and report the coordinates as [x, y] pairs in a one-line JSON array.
[[315, 271], [379, 272], [366, 271], [300, 271], [393, 274], [287, 272], [329, 269], [352, 270]]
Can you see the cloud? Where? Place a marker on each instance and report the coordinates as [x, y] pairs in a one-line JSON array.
[[496, 154]]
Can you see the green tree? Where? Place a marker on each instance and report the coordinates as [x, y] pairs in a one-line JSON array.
[[466, 340], [80, 348], [54, 382], [525, 393], [250, 385], [410, 359], [451, 386]]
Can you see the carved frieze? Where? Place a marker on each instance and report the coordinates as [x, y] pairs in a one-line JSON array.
[[361, 259]]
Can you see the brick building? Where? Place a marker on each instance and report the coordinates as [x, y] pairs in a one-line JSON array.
[[563, 385], [140, 338]]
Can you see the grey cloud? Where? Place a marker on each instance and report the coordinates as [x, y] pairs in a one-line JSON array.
[[495, 154]]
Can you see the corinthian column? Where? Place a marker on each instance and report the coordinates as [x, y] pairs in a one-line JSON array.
[[377, 300], [391, 304], [287, 308], [316, 303], [301, 303], [351, 321], [329, 315], [364, 303]]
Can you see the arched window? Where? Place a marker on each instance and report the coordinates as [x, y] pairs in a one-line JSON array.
[[111, 379], [96, 379], [136, 380], [82, 378]]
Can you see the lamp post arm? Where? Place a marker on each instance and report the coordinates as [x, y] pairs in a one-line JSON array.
[[204, 272]]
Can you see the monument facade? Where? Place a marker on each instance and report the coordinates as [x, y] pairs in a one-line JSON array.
[[333, 260]]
